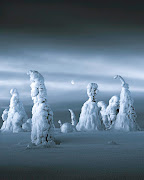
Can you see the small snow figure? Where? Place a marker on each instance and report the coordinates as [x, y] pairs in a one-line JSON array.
[[112, 110], [16, 114], [69, 127], [4, 118], [103, 106], [66, 127], [42, 116], [90, 117], [126, 118]]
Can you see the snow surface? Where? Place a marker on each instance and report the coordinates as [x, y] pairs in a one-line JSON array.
[[81, 155]]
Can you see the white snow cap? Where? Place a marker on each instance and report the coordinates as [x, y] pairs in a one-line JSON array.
[[101, 104], [42, 115], [124, 84], [114, 100], [126, 118], [16, 115], [92, 90], [90, 116]]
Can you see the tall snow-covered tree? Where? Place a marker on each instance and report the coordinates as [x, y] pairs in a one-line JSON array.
[[126, 118], [90, 115], [42, 116], [16, 115]]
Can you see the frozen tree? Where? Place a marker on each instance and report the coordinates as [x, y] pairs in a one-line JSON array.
[[73, 118], [126, 118], [4, 118], [112, 110], [27, 125], [69, 127], [90, 116], [42, 116], [103, 106], [16, 115]]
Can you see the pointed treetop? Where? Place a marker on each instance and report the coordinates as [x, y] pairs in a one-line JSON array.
[[124, 84]]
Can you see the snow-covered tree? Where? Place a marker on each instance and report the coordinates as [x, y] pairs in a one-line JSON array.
[[16, 115], [90, 116], [42, 116], [73, 118], [126, 118], [69, 127], [4, 118], [103, 106], [112, 110]]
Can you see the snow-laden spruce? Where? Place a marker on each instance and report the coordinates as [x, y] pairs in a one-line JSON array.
[[126, 118], [16, 114], [42, 116], [103, 107], [90, 116], [69, 127], [112, 110], [4, 118]]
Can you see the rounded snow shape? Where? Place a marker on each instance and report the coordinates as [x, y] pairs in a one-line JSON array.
[[5, 114], [114, 100], [101, 104], [66, 128]]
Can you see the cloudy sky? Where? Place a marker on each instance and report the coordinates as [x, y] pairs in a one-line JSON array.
[[83, 41]]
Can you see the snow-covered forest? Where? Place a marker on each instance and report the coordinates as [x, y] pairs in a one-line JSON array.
[[72, 90], [118, 115]]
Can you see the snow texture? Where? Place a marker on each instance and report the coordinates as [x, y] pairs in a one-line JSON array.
[[4, 118], [27, 125], [66, 127], [112, 110], [42, 116], [126, 118], [104, 117], [73, 118], [15, 116], [90, 116], [69, 127]]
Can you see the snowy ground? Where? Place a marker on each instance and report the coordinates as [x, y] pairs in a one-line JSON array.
[[79, 156]]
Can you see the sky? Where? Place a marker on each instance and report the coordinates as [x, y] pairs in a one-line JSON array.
[[83, 41]]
